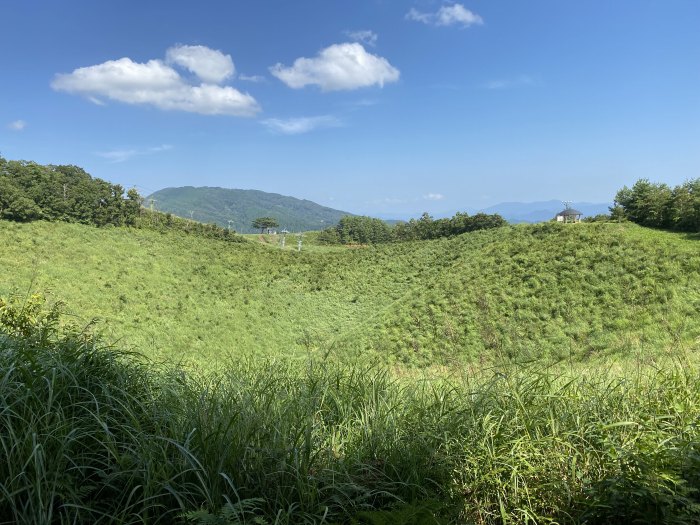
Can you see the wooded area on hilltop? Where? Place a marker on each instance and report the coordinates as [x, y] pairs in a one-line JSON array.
[[657, 205], [30, 191]]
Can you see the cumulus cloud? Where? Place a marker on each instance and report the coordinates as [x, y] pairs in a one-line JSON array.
[[338, 67], [365, 36], [447, 15], [158, 84], [17, 125], [299, 125], [122, 155], [210, 65], [434, 197]]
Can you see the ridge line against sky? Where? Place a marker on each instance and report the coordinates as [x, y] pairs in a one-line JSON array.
[[374, 107]]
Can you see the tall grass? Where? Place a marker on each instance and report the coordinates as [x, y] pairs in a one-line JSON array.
[[92, 435]]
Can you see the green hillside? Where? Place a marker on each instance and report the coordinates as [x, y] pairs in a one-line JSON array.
[[517, 292], [220, 205], [289, 414]]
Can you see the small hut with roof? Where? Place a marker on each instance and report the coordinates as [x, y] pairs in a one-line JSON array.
[[569, 214]]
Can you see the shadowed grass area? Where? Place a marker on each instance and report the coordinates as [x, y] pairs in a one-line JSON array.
[[90, 434]]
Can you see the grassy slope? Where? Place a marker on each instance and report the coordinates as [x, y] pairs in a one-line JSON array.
[[518, 291], [552, 290]]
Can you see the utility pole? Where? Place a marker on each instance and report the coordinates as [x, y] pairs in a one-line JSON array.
[[299, 237], [283, 239], [191, 215], [153, 201], [229, 225]]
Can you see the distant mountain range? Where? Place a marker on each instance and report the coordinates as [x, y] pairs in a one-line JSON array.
[[242, 207], [543, 210], [514, 212]]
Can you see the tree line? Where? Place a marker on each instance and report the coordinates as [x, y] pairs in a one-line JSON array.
[[353, 229], [658, 205], [31, 191]]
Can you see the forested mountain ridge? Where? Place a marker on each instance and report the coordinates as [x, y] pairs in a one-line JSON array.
[[242, 207]]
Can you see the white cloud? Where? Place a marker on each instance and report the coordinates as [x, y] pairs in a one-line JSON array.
[[122, 155], [434, 197], [338, 67], [457, 14], [522, 80], [417, 16], [252, 78], [447, 15], [118, 155], [17, 125], [157, 84], [210, 65], [299, 125], [365, 36]]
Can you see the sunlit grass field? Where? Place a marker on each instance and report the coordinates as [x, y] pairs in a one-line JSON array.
[[517, 293], [531, 374]]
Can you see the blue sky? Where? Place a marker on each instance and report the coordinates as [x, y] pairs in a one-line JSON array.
[[377, 107]]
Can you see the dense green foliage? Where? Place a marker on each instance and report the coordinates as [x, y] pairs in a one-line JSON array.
[[601, 217], [367, 230], [551, 290], [30, 191], [357, 230], [263, 223], [428, 228], [659, 206], [242, 207], [91, 435]]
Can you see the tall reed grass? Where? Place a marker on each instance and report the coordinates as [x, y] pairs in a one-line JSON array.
[[90, 434]]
